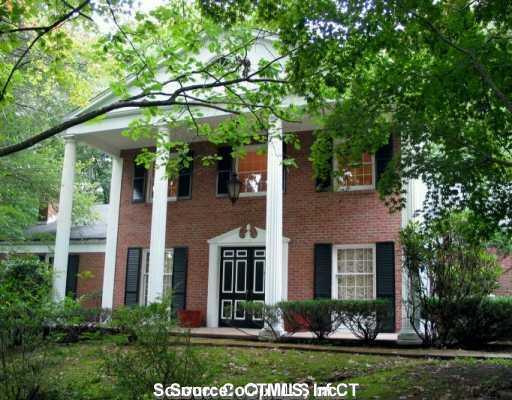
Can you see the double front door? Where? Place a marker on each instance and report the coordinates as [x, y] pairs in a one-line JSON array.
[[242, 278]]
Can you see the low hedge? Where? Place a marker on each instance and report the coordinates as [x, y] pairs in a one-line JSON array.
[[472, 322], [323, 317]]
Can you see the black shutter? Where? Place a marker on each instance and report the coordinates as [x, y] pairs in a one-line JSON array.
[[382, 157], [131, 292], [324, 184], [323, 270], [72, 275], [179, 278], [185, 180], [139, 183], [385, 259], [224, 168]]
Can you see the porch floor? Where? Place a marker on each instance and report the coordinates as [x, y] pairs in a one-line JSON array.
[[247, 333]]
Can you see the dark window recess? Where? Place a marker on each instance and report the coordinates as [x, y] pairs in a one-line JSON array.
[[323, 270], [382, 158], [385, 260], [185, 181], [139, 183], [224, 169], [72, 275], [133, 261], [179, 278]]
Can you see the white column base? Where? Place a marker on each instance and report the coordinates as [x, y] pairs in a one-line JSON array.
[[407, 337]]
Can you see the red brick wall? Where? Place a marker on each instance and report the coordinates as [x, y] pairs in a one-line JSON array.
[[505, 281], [309, 218], [90, 280]]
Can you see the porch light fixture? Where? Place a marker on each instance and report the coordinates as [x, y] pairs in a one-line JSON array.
[[234, 188]]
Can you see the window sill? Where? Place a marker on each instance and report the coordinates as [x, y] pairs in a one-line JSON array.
[[253, 194], [356, 190]]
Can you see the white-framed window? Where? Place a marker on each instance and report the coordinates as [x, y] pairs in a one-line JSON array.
[[354, 272], [252, 171], [355, 176], [144, 274]]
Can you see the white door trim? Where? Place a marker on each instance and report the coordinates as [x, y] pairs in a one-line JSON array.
[[237, 237]]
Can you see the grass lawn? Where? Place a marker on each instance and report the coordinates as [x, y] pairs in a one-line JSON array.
[[77, 368]]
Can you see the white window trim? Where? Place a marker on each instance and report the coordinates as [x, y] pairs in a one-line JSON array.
[[341, 188], [334, 272]]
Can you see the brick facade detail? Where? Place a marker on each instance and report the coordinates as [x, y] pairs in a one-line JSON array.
[[90, 278], [357, 217]]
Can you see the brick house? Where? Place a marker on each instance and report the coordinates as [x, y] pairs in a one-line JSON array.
[[288, 236]]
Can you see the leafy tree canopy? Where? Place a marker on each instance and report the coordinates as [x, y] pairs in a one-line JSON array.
[[436, 73]]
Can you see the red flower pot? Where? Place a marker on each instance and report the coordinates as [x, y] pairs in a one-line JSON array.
[[298, 322], [190, 318]]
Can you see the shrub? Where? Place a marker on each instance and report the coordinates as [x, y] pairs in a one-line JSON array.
[[443, 260], [156, 354], [364, 318], [25, 303], [475, 321], [71, 321], [269, 314], [312, 315]]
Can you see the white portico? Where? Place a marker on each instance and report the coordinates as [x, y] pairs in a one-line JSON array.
[[269, 237]]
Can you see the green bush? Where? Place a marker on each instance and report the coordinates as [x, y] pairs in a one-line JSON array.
[[25, 303], [364, 318], [474, 321], [450, 271], [311, 315], [156, 353]]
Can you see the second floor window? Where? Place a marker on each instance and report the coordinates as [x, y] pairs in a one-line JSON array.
[[252, 171], [179, 187], [356, 175]]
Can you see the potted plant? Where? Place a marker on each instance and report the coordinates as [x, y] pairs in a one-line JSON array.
[[190, 318]]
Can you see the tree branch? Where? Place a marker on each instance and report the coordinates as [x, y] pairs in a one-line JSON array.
[[477, 65], [125, 104], [41, 33]]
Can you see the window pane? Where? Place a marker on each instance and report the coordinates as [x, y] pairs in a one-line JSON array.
[[169, 255], [355, 274], [252, 172], [172, 188], [359, 174]]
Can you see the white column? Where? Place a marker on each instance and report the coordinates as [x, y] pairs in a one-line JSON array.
[[274, 273], [60, 261], [109, 270], [158, 226], [407, 334]]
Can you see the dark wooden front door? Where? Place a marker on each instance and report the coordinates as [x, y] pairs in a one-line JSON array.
[[242, 278]]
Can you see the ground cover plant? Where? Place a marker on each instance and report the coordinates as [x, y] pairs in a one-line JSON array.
[[76, 369]]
